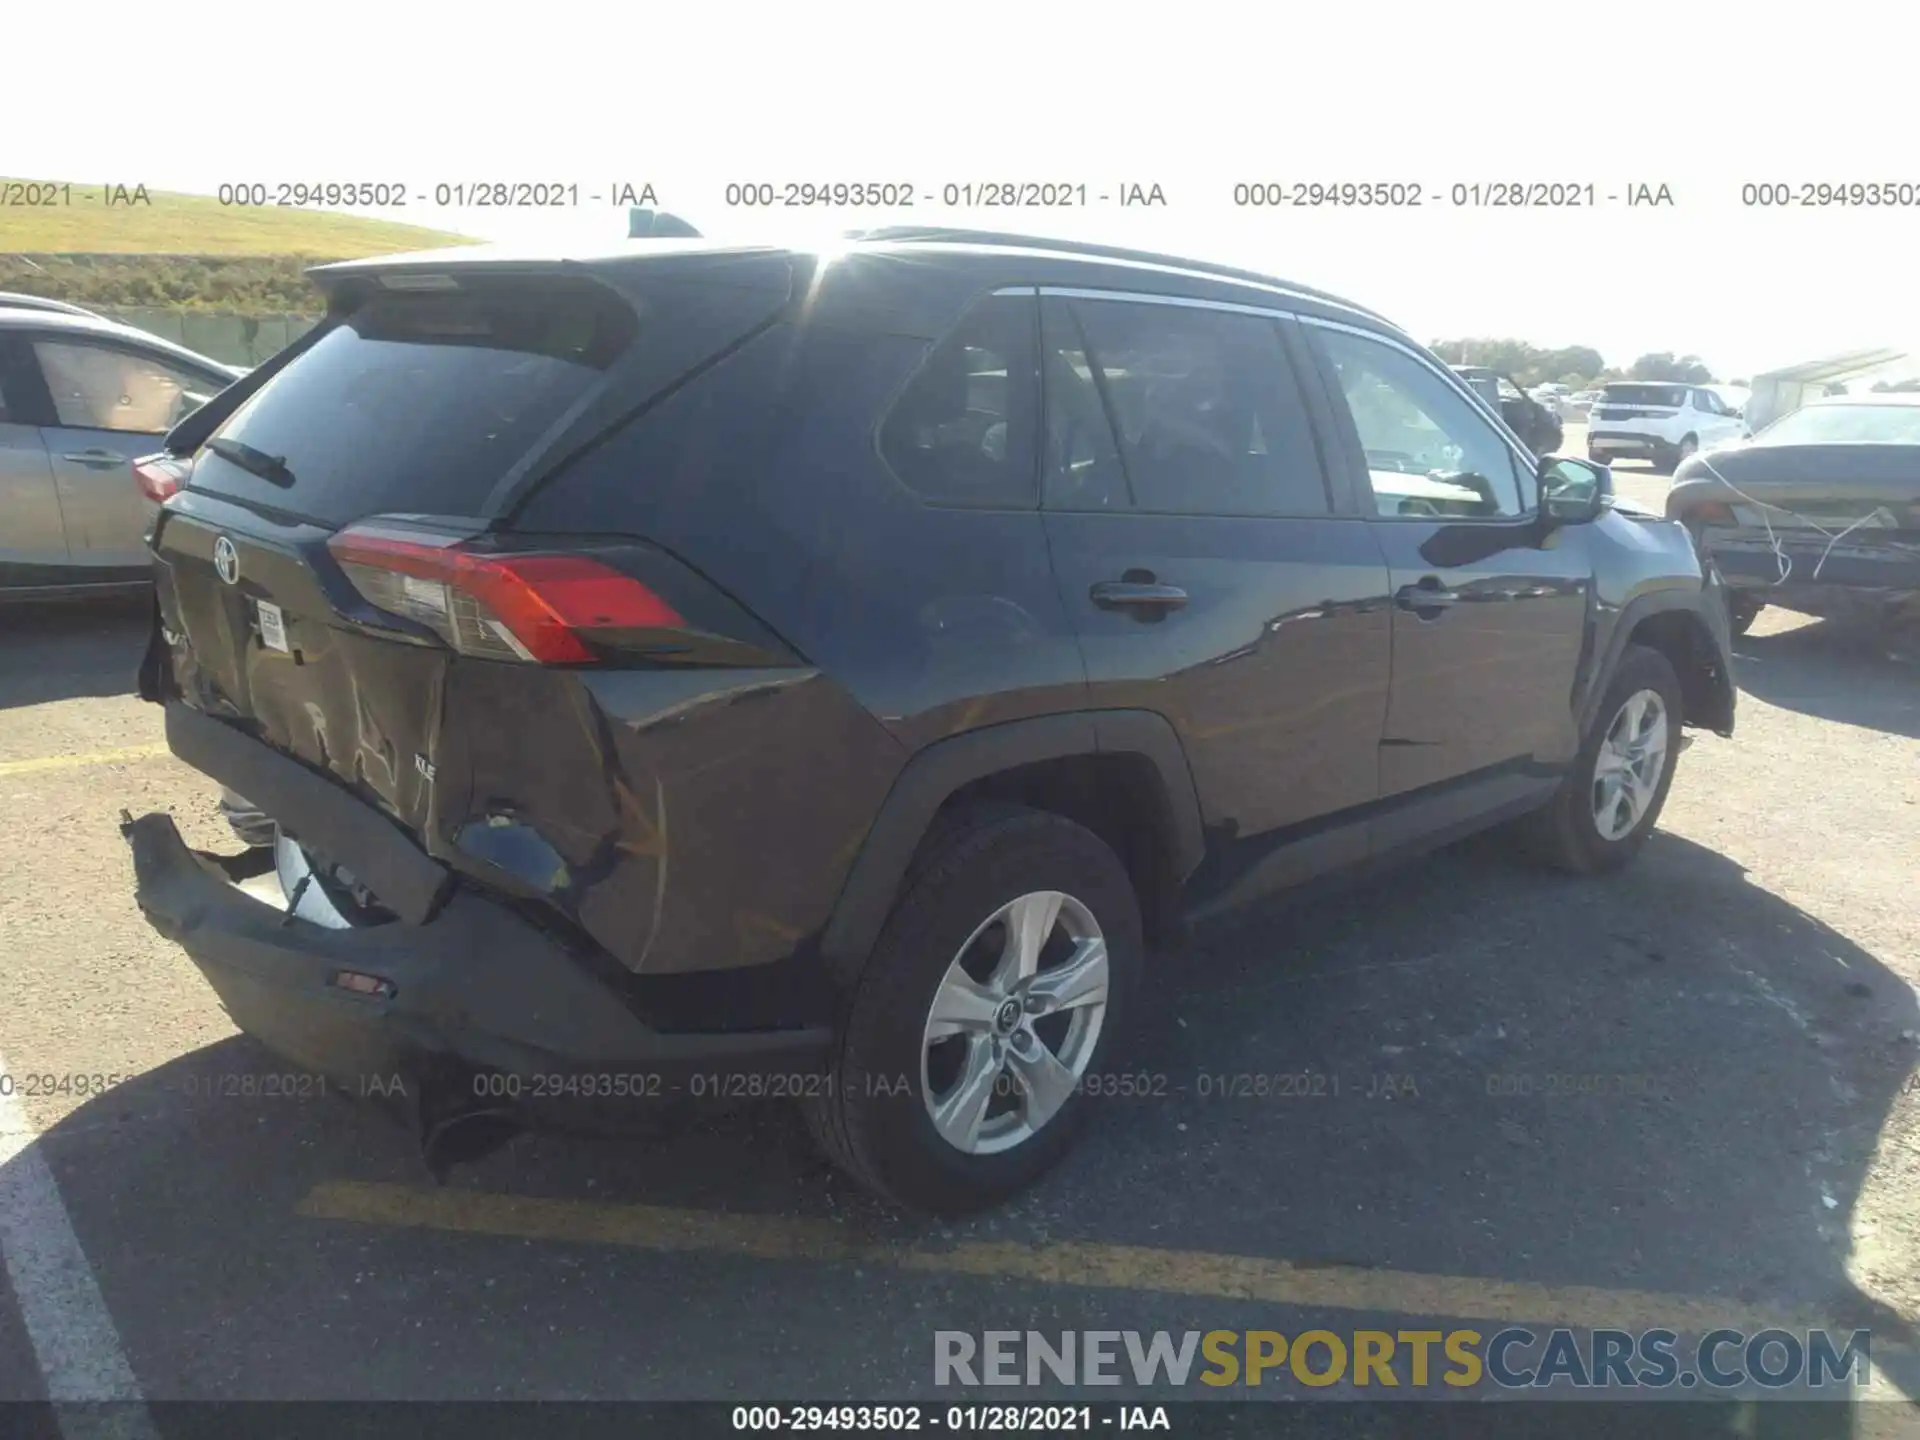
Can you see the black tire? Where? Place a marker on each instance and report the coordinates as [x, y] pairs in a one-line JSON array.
[[872, 1120], [1742, 610], [1565, 833]]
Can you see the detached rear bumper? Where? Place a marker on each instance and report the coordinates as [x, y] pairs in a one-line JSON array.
[[480, 1013]]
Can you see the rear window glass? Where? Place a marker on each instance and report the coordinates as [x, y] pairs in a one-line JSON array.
[[1672, 396], [962, 432], [1845, 425], [421, 402]]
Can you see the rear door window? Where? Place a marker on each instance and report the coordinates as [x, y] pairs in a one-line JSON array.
[[962, 432], [107, 387], [1207, 415], [422, 401]]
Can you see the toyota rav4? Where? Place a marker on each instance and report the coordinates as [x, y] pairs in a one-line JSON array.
[[653, 667]]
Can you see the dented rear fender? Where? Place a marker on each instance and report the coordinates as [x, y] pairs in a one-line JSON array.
[[683, 819]]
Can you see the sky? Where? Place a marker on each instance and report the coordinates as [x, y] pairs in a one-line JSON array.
[[1703, 99]]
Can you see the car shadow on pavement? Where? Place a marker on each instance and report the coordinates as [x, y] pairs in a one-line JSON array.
[[52, 652], [1752, 1057], [1746, 1059], [1834, 670]]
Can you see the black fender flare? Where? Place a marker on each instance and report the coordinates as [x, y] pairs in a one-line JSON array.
[[934, 773], [1707, 608]]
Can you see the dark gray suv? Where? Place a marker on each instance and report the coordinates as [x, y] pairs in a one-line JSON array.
[[692, 671]]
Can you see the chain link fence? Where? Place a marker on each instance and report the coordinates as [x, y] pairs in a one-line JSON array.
[[246, 340]]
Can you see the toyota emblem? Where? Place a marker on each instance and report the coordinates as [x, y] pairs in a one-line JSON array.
[[226, 560]]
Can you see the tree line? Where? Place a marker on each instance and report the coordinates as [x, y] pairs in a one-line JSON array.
[[1578, 367]]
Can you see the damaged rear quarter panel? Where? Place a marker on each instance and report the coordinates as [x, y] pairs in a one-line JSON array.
[[684, 819]]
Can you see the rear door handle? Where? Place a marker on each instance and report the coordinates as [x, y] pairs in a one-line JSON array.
[[95, 459], [1136, 595], [1429, 594]]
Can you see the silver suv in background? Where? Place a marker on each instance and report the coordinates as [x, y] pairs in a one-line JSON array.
[[1662, 421], [81, 399]]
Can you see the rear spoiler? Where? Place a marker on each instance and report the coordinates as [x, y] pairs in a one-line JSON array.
[[746, 295], [658, 225], [192, 432]]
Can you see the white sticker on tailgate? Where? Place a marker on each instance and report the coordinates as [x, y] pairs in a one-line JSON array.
[[273, 626]]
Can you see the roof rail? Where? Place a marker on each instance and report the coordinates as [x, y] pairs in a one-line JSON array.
[[9, 300], [934, 234]]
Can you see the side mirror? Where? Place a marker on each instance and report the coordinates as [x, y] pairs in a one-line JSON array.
[[1573, 492]]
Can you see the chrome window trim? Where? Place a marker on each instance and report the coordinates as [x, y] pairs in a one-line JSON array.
[[1525, 463], [1285, 294], [1147, 297]]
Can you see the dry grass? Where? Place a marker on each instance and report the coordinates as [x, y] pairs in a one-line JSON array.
[[200, 225]]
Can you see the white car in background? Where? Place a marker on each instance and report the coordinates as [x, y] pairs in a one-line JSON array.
[[1658, 420], [1576, 405], [81, 399]]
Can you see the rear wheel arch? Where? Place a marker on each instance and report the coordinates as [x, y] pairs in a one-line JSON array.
[[1120, 773]]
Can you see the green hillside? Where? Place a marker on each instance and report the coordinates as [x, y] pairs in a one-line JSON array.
[[195, 225]]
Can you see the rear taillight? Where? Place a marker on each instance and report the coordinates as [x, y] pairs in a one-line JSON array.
[[161, 475], [542, 608]]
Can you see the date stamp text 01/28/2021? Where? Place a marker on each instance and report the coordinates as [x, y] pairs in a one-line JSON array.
[[1279, 1085], [986, 194]]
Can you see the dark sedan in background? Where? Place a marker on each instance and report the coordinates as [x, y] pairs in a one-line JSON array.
[[1819, 513]]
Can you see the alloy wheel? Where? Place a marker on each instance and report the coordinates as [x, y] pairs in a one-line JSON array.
[[1014, 1023], [1632, 758]]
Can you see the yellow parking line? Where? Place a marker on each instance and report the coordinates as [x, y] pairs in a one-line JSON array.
[[64, 762], [1073, 1263]]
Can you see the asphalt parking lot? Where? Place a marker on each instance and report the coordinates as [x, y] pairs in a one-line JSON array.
[[1684, 1096]]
